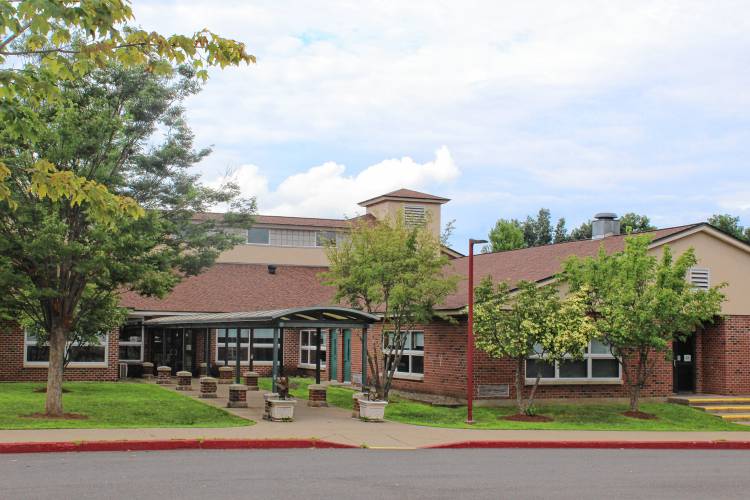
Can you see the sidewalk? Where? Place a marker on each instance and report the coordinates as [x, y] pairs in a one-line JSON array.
[[336, 425]]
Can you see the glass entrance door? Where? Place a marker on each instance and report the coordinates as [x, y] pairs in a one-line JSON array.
[[173, 348]]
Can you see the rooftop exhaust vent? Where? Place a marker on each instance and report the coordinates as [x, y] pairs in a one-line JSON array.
[[605, 224], [271, 268]]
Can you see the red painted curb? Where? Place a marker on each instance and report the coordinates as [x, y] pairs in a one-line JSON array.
[[177, 444], [632, 445]]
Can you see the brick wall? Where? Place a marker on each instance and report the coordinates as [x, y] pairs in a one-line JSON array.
[[12, 357], [723, 355]]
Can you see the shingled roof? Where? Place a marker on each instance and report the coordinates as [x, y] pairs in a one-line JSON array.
[[405, 194], [282, 220]]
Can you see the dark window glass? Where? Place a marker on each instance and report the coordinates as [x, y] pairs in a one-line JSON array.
[[603, 368], [403, 364], [130, 353], [263, 354], [231, 351], [130, 333], [37, 353], [257, 236], [573, 369], [417, 364], [86, 354], [548, 370]]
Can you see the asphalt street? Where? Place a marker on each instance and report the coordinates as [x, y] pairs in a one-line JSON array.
[[378, 474]]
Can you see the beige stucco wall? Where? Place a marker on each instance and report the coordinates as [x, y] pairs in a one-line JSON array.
[[390, 209], [263, 254], [726, 263]]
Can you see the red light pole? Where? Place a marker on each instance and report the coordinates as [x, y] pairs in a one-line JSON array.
[[470, 338]]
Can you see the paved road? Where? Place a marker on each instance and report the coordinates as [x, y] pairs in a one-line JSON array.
[[420, 474]]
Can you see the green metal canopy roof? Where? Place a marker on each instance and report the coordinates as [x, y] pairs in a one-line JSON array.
[[304, 317]]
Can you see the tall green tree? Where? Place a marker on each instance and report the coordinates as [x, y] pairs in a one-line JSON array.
[[538, 230], [530, 322], [582, 232], [62, 265], [635, 223], [506, 235], [730, 224], [46, 42], [394, 270], [641, 304], [561, 232]]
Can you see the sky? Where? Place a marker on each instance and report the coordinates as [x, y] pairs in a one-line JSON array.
[[503, 107]]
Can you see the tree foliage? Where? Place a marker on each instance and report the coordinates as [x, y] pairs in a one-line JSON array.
[[641, 304], [506, 235], [396, 271], [530, 321], [731, 225], [61, 265], [635, 223]]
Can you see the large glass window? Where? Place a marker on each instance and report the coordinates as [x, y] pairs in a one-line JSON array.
[[308, 349], [226, 345], [131, 342], [258, 236], [87, 353], [326, 237], [597, 364], [412, 360]]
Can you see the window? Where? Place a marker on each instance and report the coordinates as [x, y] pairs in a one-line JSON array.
[[226, 345], [412, 360], [414, 216], [700, 278], [131, 342], [326, 237], [307, 348], [597, 364], [258, 236], [88, 354], [293, 238]]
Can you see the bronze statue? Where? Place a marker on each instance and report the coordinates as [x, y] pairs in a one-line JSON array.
[[282, 387]]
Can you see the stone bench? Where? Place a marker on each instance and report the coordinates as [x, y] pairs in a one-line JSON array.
[[316, 395], [237, 396], [148, 370], [225, 374], [164, 375], [208, 388], [251, 381], [184, 381]]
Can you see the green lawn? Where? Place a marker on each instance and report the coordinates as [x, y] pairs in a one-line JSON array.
[[567, 416], [110, 405]]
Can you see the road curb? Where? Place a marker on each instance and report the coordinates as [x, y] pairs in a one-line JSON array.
[[632, 445], [164, 445]]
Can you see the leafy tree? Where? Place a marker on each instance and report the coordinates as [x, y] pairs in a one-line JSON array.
[[396, 271], [62, 265], [634, 223], [730, 225], [506, 235], [641, 304], [538, 231], [561, 232], [582, 232], [46, 42], [447, 232], [533, 321]]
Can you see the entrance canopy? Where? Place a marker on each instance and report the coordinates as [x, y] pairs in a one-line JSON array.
[[298, 317], [278, 319]]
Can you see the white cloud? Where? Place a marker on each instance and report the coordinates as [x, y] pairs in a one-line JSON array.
[[328, 191]]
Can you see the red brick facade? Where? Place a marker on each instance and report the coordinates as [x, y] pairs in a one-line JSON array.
[[723, 357], [12, 360]]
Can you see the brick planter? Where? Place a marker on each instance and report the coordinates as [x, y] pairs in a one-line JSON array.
[[316, 395], [184, 381], [148, 370], [225, 374], [164, 375], [237, 396], [355, 403], [204, 369], [208, 388], [267, 405], [251, 381]]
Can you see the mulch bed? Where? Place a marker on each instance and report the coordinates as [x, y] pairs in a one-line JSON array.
[[44, 390], [640, 415], [64, 416], [520, 417]]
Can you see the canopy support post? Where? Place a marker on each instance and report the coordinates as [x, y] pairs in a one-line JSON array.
[[364, 358], [237, 356], [317, 355], [275, 366]]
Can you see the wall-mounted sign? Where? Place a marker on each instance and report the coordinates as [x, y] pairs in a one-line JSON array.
[[493, 390]]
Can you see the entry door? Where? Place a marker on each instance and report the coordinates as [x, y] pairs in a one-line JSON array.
[[173, 356], [333, 361], [347, 355], [684, 365]]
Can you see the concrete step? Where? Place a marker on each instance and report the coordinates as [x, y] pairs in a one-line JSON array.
[[734, 417], [725, 408], [708, 400]]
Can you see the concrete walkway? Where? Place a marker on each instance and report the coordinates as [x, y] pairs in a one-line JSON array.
[[336, 425]]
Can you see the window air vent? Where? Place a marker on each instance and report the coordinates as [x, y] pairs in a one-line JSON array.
[[700, 278], [414, 216]]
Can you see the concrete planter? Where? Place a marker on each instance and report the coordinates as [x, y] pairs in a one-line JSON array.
[[282, 410], [372, 411]]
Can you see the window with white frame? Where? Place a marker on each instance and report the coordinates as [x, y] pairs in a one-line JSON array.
[[308, 348], [258, 236], [597, 364], [412, 360], [226, 345], [90, 353], [131, 342], [293, 238]]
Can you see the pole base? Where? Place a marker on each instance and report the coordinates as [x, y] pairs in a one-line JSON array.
[[469, 422]]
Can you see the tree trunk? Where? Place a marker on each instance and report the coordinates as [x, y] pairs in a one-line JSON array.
[[519, 385], [635, 394], [54, 404]]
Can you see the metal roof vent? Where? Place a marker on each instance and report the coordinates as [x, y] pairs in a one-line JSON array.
[[271, 268], [605, 224]]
